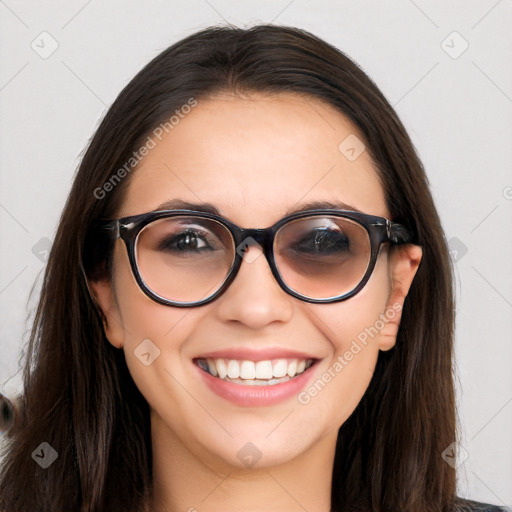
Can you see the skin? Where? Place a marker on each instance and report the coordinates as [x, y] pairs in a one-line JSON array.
[[254, 158]]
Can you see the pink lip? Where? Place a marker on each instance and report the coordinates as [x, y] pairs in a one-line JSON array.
[[243, 353], [255, 396]]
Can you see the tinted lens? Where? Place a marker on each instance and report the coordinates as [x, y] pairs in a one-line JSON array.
[[184, 258], [322, 256]]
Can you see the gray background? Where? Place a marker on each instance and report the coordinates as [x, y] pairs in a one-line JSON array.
[[456, 103]]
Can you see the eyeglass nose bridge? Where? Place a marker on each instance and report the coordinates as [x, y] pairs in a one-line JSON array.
[[245, 238]]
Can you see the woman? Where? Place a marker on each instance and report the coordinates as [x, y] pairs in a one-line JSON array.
[[185, 357]]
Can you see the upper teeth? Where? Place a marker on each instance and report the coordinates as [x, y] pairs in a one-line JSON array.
[[250, 370]]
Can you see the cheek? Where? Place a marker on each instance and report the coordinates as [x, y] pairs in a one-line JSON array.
[[352, 328], [345, 321], [141, 317], [154, 334]]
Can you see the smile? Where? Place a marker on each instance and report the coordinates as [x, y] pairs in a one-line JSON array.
[[254, 373]]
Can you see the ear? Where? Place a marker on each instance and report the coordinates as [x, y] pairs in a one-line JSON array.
[[403, 263], [104, 297]]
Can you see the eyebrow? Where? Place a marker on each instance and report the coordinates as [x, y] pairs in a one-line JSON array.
[[180, 204], [322, 205]]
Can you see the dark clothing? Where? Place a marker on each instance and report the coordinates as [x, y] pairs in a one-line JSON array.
[[475, 506]]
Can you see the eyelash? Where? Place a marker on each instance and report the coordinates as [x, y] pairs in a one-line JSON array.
[[165, 243]]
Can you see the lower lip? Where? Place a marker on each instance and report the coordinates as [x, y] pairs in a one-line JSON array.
[[250, 396]]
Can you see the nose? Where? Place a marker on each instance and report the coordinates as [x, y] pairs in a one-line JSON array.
[[254, 298]]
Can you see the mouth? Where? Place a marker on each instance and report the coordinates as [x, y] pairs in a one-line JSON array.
[[270, 372]]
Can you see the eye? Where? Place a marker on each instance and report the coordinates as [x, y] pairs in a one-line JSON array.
[[187, 241], [323, 242]]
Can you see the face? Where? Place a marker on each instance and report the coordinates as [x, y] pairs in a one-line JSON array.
[[255, 159]]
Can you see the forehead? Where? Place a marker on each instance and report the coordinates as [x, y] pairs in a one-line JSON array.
[[257, 158]]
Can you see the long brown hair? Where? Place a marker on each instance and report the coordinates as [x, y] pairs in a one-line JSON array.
[[78, 394]]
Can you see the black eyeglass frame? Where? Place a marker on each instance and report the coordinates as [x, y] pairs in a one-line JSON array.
[[380, 230]]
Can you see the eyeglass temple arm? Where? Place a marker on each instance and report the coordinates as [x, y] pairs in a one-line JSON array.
[[398, 233], [111, 229]]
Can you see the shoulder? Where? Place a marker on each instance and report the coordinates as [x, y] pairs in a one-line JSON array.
[[464, 505]]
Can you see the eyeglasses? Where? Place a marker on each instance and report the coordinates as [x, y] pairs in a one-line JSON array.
[[188, 258]]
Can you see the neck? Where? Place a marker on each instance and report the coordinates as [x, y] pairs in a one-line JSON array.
[[183, 482]]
